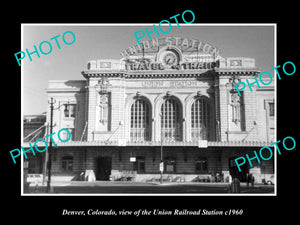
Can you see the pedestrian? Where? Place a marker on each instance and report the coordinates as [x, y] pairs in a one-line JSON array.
[[252, 180], [236, 185], [36, 189], [230, 183], [247, 180]]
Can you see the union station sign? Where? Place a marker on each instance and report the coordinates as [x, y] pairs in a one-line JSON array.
[[171, 53], [185, 44]]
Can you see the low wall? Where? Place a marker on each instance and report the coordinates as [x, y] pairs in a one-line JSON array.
[[134, 176], [129, 175]]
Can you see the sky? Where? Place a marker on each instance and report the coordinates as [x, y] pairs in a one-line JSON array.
[[107, 41]]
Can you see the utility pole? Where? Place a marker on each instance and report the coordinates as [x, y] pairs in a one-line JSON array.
[[49, 164], [161, 165]]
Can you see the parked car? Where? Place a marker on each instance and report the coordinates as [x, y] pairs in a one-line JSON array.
[[270, 180], [34, 178]]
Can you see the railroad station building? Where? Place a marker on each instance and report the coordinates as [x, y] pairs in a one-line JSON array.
[[169, 100]]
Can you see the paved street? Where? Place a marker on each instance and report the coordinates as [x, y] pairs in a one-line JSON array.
[[122, 187]]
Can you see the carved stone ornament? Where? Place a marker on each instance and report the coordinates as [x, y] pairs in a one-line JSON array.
[[103, 108], [102, 85], [103, 99], [234, 80], [235, 103]]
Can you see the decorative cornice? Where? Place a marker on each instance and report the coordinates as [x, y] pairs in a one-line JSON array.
[[89, 74], [158, 143], [64, 90], [170, 73], [150, 74], [241, 72]]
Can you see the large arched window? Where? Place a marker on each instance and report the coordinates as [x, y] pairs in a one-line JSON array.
[[140, 129], [171, 120], [200, 119]]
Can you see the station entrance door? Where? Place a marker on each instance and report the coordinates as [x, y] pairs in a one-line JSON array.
[[103, 168]]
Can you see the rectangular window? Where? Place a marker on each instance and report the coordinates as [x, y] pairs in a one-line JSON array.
[[201, 164], [170, 165], [139, 164], [271, 109], [67, 166], [242, 112], [69, 110], [67, 163]]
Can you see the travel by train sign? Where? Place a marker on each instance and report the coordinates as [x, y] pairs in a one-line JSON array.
[[168, 53], [161, 66]]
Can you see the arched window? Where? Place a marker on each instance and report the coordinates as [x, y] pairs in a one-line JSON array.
[[140, 129], [171, 127], [200, 119]]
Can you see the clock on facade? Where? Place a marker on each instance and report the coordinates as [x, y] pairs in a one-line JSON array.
[[169, 58]]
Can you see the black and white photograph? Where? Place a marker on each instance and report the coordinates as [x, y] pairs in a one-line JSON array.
[[156, 114], [164, 115]]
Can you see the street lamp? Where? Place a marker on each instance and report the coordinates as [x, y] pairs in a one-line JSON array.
[[49, 150]]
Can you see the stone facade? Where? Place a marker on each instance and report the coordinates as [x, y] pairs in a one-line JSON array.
[[108, 142]]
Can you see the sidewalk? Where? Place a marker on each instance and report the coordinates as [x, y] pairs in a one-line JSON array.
[[122, 187], [133, 183]]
